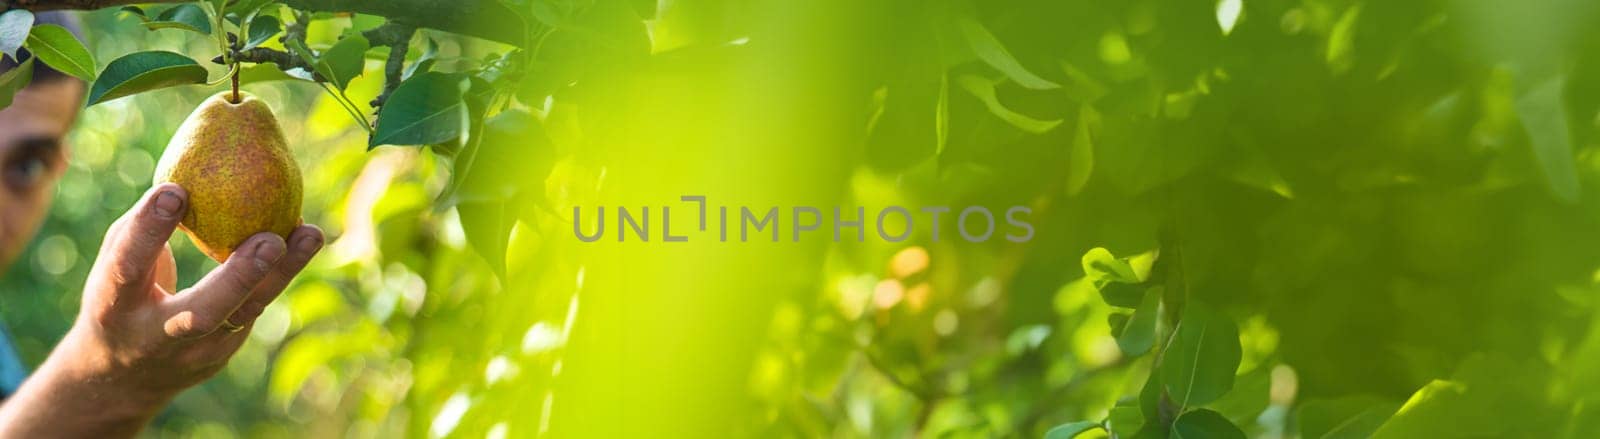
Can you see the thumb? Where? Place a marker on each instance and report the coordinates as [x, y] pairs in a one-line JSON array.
[[132, 247]]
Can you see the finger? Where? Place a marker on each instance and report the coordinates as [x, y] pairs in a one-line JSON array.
[[136, 242], [199, 310], [166, 271], [304, 243]]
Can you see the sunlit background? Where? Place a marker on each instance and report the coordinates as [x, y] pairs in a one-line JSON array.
[[1393, 202]]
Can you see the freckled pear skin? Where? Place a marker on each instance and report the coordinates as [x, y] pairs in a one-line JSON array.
[[237, 168]]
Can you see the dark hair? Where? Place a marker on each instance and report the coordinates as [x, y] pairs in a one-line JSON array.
[[43, 73]]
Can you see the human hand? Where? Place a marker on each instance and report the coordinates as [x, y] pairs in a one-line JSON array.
[[138, 339]]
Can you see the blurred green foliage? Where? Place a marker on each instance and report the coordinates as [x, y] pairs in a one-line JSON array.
[[1391, 203]]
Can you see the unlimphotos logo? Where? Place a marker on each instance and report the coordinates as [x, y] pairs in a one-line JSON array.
[[892, 224]]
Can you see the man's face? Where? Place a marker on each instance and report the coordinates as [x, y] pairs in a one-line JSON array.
[[33, 155]]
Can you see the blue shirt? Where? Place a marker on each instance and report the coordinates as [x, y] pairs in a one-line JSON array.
[[12, 371]]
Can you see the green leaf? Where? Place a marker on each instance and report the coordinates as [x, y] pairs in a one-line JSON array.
[[1484, 392], [989, 49], [1350, 417], [430, 53], [262, 29], [479, 166], [136, 11], [1081, 158], [1543, 115], [1151, 400], [1139, 335], [1341, 39], [1199, 365], [1432, 408], [144, 71], [56, 46], [983, 89], [190, 17], [14, 26], [1070, 430], [1124, 421], [1118, 322], [487, 225], [466, 148], [1101, 266], [1122, 295], [1251, 394], [365, 22], [424, 110], [510, 159], [15, 80], [1204, 424], [344, 61], [1151, 395]]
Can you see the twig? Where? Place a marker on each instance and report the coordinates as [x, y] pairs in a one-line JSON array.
[[487, 19], [262, 55], [349, 107], [296, 31], [391, 33], [399, 43]]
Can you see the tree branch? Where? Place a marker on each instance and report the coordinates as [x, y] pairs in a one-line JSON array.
[[487, 19], [391, 34], [395, 67], [262, 55]]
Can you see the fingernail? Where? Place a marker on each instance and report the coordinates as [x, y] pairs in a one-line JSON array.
[[308, 244], [168, 204], [268, 252]]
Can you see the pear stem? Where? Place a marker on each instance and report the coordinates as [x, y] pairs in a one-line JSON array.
[[236, 98]]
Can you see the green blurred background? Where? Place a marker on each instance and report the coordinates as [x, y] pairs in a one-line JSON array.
[[1379, 194]]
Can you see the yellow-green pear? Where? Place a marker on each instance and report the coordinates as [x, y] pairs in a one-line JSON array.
[[231, 157]]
